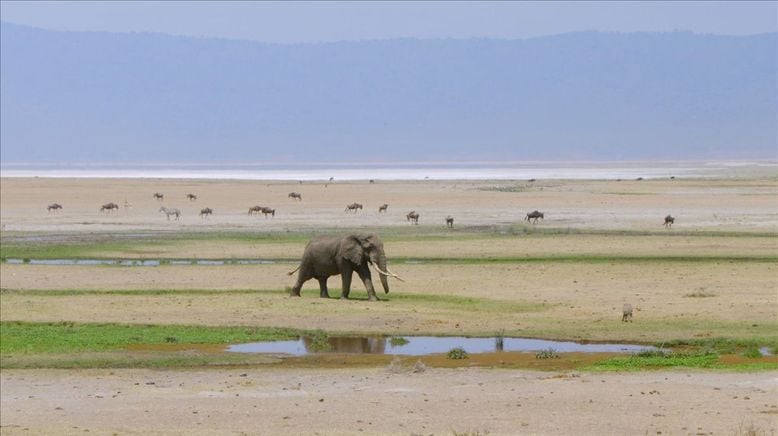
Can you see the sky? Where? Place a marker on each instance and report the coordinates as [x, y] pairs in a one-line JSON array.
[[311, 22]]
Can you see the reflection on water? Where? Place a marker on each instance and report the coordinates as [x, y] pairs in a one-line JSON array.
[[423, 345]]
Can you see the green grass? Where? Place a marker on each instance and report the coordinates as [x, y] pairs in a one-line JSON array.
[[65, 337]]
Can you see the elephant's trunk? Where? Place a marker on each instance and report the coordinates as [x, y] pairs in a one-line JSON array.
[[382, 265]]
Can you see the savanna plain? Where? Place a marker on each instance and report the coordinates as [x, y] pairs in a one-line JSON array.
[[92, 341]]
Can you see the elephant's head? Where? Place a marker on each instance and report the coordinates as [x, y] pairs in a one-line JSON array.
[[367, 248]]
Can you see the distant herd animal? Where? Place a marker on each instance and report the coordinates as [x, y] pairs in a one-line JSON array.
[[412, 216]]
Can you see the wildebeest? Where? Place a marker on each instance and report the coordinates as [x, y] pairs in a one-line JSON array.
[[255, 210], [268, 211], [191, 197], [353, 207], [669, 220], [296, 195], [109, 207], [449, 221], [159, 196], [626, 313], [534, 215], [205, 212], [170, 211], [383, 208], [54, 206], [413, 217]]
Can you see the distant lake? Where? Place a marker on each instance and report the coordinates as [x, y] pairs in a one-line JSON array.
[[393, 171]]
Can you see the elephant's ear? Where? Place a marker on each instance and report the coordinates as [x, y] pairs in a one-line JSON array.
[[351, 249]]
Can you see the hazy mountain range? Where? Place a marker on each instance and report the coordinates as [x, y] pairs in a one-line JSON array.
[[96, 96]]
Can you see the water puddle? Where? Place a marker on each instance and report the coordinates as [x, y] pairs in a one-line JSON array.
[[425, 345], [138, 262]]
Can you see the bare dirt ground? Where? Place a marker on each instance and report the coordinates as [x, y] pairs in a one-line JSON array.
[[548, 299], [379, 401], [728, 204]]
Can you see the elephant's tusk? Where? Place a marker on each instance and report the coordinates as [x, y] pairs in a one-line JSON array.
[[387, 273]]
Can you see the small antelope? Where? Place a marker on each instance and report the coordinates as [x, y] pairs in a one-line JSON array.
[[669, 220], [626, 313], [449, 221], [383, 208]]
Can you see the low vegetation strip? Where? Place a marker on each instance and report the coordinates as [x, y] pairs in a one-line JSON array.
[[67, 337]]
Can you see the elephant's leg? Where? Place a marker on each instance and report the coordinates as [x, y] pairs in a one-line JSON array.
[[346, 276], [364, 274], [323, 287], [302, 277]]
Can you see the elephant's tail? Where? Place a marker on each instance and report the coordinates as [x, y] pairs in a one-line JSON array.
[[293, 271]]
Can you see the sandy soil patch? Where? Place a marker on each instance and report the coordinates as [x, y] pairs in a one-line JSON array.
[[710, 204], [562, 298], [380, 402]]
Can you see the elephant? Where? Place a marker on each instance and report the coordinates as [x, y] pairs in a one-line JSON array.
[[329, 256], [534, 215], [669, 221]]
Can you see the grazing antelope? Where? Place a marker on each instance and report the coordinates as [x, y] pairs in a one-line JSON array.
[[268, 211], [534, 215], [412, 217], [296, 195], [159, 196], [109, 207], [191, 197], [353, 207], [669, 220], [626, 313], [205, 212], [255, 210], [449, 221], [383, 208], [170, 211], [54, 207]]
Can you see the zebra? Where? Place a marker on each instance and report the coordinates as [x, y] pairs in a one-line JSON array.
[[170, 211]]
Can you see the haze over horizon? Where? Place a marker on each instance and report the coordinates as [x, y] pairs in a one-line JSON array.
[[479, 83]]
